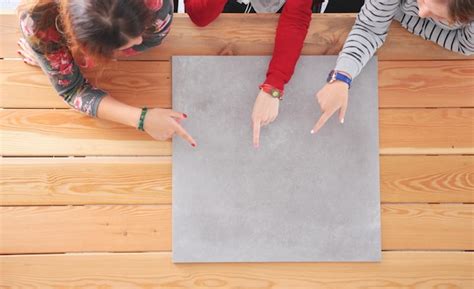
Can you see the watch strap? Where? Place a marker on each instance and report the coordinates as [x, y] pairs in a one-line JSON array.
[[336, 75], [273, 91]]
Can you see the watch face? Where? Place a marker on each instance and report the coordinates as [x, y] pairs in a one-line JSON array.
[[331, 76]]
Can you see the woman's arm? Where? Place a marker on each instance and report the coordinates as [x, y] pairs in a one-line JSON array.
[[161, 124], [367, 35], [71, 85], [50, 52], [459, 40], [290, 35], [203, 12], [465, 39]]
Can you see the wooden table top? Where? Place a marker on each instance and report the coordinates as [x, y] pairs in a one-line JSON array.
[[73, 184]]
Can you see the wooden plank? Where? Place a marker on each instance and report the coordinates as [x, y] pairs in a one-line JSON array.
[[234, 34], [148, 228], [85, 228], [398, 270], [426, 83], [38, 132], [82, 181], [428, 227], [9, 33], [139, 83], [427, 179], [426, 131], [30, 132], [254, 35], [147, 180]]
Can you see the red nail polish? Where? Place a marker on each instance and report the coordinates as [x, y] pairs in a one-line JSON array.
[[185, 115], [19, 53], [194, 145]]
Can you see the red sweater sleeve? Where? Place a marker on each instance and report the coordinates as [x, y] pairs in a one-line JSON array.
[[203, 12], [290, 35]]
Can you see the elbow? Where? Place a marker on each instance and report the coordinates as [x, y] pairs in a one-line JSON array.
[[200, 22], [202, 13], [466, 52]]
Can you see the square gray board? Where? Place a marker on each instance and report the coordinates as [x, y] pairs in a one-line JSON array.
[[297, 198]]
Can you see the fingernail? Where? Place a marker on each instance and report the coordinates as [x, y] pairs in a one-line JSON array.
[[25, 61], [185, 115], [342, 120], [193, 145], [312, 131], [19, 53]]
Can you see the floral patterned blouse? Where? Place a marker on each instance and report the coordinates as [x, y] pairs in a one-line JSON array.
[[55, 58]]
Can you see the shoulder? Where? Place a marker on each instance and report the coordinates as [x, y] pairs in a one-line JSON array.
[[161, 8], [162, 16], [40, 29]]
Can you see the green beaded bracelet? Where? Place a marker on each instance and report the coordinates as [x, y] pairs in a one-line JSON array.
[[142, 119]]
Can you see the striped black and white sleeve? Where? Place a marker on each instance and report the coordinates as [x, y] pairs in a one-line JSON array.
[[459, 40], [465, 39], [367, 35]]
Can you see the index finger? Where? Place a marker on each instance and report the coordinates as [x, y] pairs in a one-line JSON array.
[[256, 133], [322, 120], [184, 134]]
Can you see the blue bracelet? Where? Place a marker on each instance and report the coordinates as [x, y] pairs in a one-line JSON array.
[[336, 75]]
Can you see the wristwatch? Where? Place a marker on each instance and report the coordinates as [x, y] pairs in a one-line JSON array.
[[273, 91], [336, 75]]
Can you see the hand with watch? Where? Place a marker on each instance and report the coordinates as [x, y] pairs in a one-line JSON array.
[[162, 124], [265, 109], [332, 97]]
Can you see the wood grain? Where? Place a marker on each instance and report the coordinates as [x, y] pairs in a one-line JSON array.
[[427, 179], [137, 83], [85, 229], [29, 132], [37, 132], [148, 228], [426, 83], [447, 83], [147, 180], [428, 227], [426, 131], [399, 270], [82, 181], [254, 35]]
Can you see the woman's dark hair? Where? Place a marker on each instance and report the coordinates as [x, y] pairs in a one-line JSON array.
[[101, 27], [93, 28], [462, 10]]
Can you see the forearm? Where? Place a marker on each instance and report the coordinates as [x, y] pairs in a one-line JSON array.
[[367, 35], [291, 32], [116, 111], [459, 40]]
